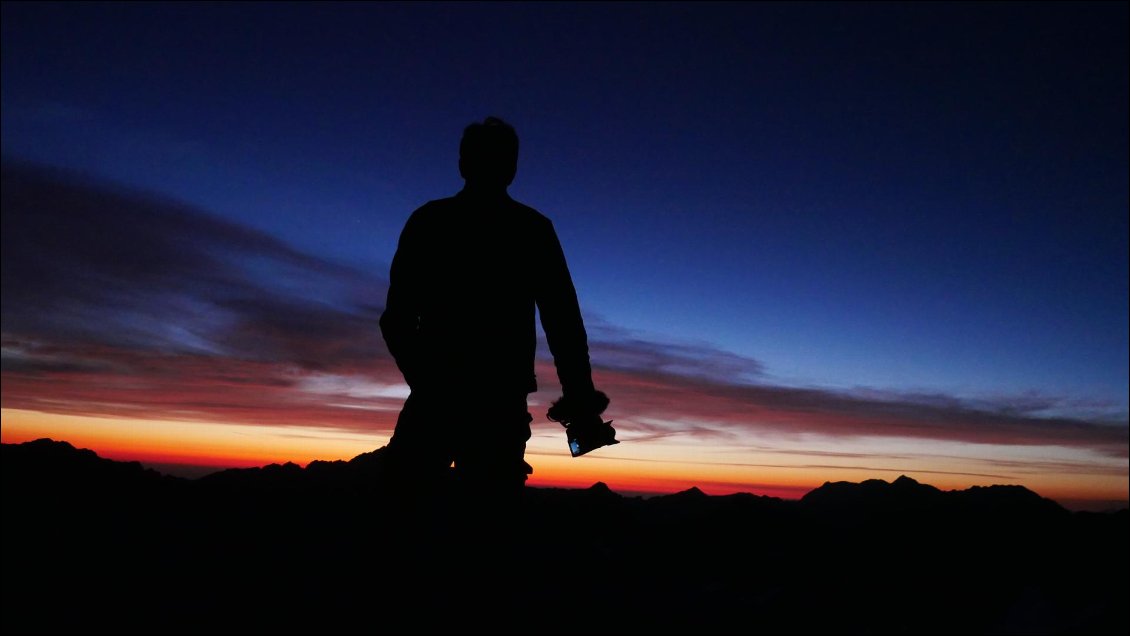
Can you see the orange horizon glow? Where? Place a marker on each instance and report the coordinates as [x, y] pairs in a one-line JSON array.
[[644, 468]]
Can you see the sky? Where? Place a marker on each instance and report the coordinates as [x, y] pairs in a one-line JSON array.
[[812, 241]]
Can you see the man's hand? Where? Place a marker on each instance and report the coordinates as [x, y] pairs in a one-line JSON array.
[[573, 407], [585, 429]]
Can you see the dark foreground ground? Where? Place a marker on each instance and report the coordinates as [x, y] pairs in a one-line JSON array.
[[91, 545]]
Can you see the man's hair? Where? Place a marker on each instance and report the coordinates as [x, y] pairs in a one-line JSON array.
[[488, 152]]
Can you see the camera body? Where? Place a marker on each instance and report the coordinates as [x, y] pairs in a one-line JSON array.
[[589, 435], [585, 429]]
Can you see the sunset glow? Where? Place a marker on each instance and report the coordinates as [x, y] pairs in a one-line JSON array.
[[785, 467], [810, 243]]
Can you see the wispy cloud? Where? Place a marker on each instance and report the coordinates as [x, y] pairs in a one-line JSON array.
[[85, 263], [615, 348], [661, 402], [118, 303]]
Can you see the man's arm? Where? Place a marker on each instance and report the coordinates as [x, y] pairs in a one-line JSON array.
[[580, 406], [561, 319], [401, 318]]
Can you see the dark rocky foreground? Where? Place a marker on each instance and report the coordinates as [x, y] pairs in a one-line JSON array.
[[92, 545]]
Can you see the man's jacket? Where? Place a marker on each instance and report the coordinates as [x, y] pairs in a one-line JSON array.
[[464, 284]]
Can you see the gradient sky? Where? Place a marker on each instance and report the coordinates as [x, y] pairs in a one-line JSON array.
[[813, 242]]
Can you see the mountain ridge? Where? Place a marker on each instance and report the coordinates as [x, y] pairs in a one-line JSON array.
[[368, 462], [104, 546]]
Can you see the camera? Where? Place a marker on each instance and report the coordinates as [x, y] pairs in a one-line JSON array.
[[589, 435], [585, 429]]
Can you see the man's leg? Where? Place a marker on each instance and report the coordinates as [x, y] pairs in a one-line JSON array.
[[420, 453], [417, 478], [490, 450], [490, 546]]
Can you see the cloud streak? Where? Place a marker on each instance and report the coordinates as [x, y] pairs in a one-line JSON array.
[[122, 304], [720, 408], [89, 264]]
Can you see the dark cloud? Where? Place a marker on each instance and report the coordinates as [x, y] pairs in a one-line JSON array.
[[122, 304], [659, 403], [616, 348], [85, 263]]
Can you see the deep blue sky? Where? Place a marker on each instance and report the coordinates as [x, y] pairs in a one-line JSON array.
[[922, 197]]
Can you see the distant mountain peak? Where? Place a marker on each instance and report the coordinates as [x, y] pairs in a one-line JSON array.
[[602, 491], [47, 441], [46, 462], [693, 492], [903, 480], [48, 445]]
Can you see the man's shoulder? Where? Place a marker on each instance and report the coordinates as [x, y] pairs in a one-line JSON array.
[[435, 206], [440, 212], [529, 212], [528, 220], [430, 213], [458, 204]]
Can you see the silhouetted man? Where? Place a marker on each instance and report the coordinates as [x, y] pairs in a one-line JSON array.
[[468, 273]]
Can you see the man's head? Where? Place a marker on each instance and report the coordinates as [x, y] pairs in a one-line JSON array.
[[488, 153]]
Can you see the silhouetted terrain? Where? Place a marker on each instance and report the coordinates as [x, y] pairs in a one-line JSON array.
[[93, 545]]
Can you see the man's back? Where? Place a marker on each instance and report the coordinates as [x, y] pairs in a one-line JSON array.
[[467, 276]]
